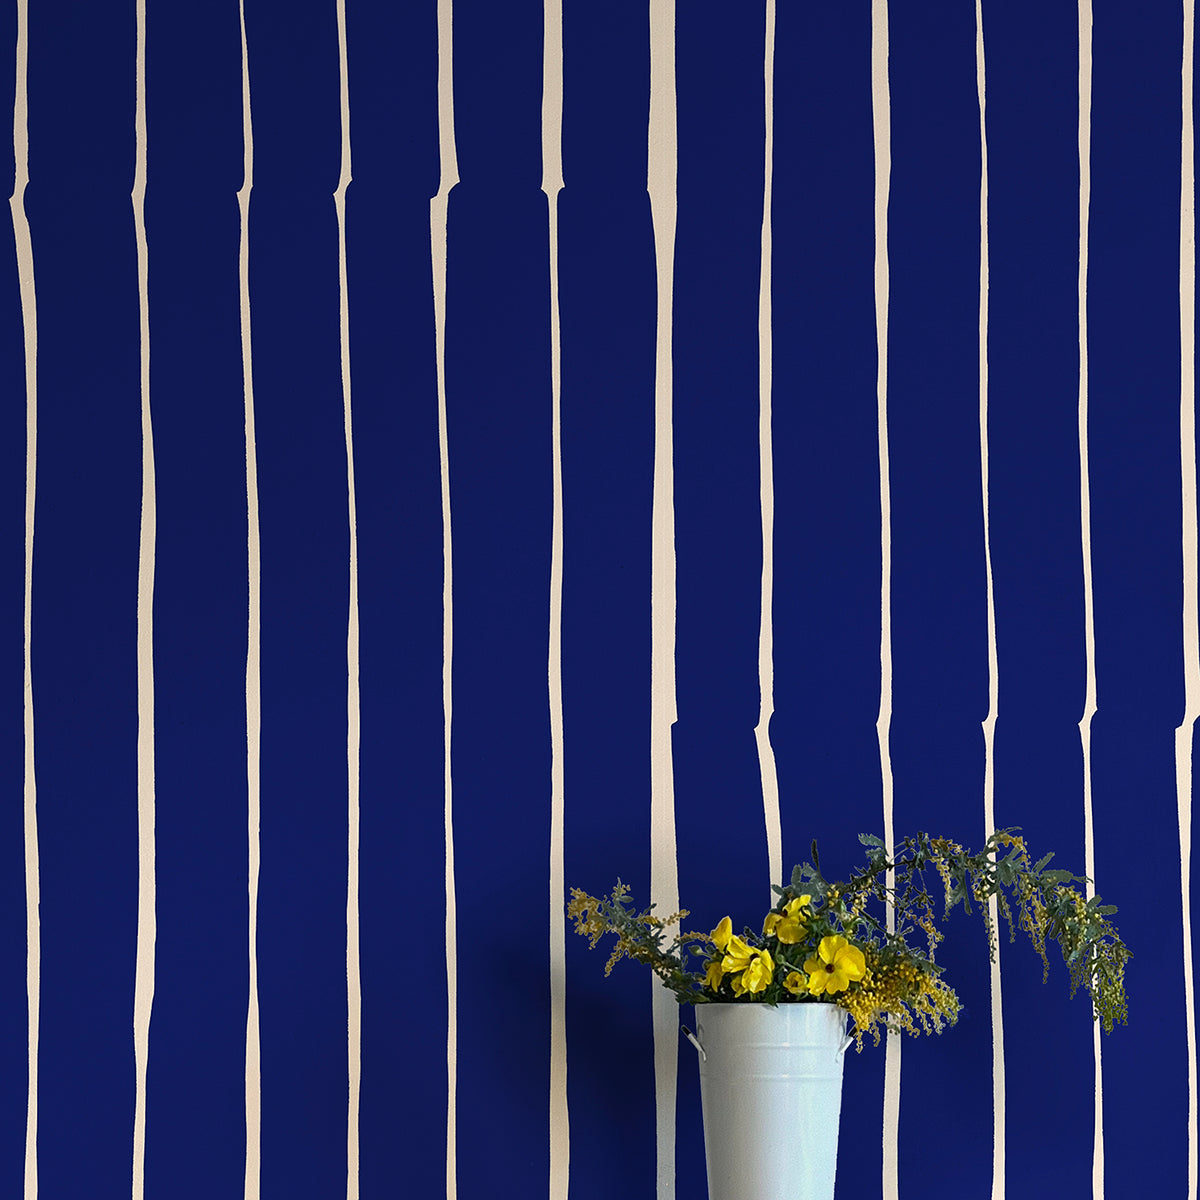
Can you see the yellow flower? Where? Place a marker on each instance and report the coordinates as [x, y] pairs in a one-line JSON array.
[[737, 953], [713, 974], [790, 927], [751, 969], [722, 933], [756, 974], [834, 965], [795, 983]]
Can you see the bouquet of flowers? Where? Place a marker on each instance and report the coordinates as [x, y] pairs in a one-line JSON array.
[[822, 944]]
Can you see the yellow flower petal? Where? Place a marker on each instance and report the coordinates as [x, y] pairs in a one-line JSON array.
[[796, 983], [758, 973], [773, 919], [713, 974], [722, 933], [790, 930], [737, 955], [829, 947], [851, 962]]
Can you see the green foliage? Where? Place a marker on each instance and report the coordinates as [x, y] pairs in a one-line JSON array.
[[1048, 906], [883, 979], [639, 937]]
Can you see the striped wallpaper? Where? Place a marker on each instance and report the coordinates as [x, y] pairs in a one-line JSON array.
[[454, 451]]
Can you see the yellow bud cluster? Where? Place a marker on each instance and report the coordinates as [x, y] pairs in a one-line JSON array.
[[1004, 838], [585, 911], [943, 870], [662, 922], [885, 988], [937, 1004], [933, 934], [1035, 921], [888, 992], [622, 947]]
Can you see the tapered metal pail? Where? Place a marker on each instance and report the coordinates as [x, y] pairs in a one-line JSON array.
[[771, 1092]]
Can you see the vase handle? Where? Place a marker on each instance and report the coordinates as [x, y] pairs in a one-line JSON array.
[[691, 1037]]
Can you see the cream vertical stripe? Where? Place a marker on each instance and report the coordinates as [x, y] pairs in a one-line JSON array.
[[143, 988], [1185, 734], [438, 212], [552, 183], [882, 124], [1085, 526], [353, 716], [766, 484], [253, 1098], [989, 723], [661, 169], [24, 248]]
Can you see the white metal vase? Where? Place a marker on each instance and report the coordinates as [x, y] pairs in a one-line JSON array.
[[771, 1094]]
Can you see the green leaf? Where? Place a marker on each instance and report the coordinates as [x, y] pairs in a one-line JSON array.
[[1042, 862], [1057, 876], [869, 839]]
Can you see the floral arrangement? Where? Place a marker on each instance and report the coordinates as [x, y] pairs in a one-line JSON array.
[[821, 944]]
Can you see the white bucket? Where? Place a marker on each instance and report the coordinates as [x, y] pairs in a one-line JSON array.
[[771, 1093]]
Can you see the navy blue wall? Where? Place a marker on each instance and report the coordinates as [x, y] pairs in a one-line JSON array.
[[830, 527]]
